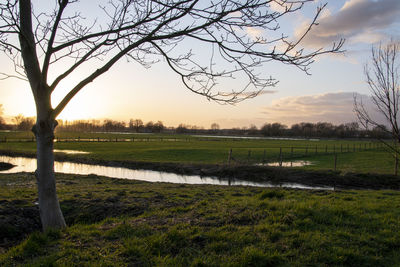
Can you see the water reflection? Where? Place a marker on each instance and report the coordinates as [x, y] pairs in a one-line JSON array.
[[297, 163], [29, 165], [66, 151], [257, 137]]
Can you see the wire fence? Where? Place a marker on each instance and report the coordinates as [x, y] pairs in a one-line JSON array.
[[296, 156], [280, 156]]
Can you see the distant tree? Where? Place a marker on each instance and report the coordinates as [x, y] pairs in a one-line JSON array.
[[352, 129], [380, 132], [274, 129], [214, 127], [324, 129], [26, 124], [252, 130], [112, 126], [18, 119], [23, 123], [149, 126], [158, 127], [60, 41], [383, 79], [136, 125], [182, 128]]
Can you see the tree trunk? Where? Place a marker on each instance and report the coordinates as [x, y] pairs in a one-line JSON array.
[[50, 211]]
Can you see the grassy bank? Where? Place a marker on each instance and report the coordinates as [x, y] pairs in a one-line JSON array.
[[121, 222], [352, 155]]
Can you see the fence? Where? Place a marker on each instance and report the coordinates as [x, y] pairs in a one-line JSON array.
[[272, 156], [294, 156]]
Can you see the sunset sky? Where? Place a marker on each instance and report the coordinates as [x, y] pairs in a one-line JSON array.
[[129, 90]]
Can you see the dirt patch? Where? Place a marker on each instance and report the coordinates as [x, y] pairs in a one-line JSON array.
[[95, 210], [17, 220]]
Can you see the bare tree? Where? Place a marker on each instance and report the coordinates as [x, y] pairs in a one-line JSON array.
[[136, 124], [145, 32], [214, 126], [383, 79]]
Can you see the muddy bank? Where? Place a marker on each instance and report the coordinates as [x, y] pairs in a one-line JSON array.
[[276, 175], [5, 166]]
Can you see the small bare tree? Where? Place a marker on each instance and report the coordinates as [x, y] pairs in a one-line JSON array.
[[383, 78], [144, 32]]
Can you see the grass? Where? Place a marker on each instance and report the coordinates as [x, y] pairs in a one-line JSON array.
[[130, 223], [195, 150]]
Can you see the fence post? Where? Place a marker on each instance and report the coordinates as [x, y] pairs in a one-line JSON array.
[[326, 148], [334, 149], [229, 157], [248, 156]]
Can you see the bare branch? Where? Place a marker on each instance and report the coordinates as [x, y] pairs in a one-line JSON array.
[[49, 52], [149, 31], [383, 79]]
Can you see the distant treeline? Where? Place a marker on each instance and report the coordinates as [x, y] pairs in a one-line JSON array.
[[304, 129]]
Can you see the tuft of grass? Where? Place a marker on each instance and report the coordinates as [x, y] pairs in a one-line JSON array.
[[278, 194], [35, 246]]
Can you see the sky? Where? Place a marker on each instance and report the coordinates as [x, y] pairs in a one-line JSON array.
[[129, 90]]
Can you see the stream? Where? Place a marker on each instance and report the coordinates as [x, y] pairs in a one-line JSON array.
[[23, 164]]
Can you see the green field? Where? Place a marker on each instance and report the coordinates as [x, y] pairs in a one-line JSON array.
[[130, 223], [352, 155]]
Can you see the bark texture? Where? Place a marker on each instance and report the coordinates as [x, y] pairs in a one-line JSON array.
[[49, 207], [50, 211]]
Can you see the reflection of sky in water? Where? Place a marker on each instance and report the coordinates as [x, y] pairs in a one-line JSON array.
[[297, 163], [29, 165], [66, 151], [257, 137]]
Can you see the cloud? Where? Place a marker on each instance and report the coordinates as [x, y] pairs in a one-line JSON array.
[[335, 108], [248, 94], [361, 21], [254, 33], [281, 6]]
